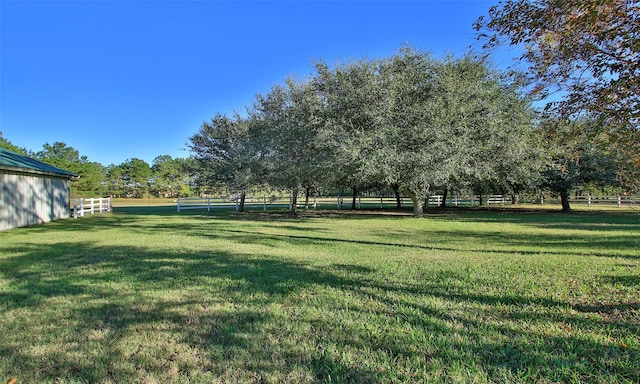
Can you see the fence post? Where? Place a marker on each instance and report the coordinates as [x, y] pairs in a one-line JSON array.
[[208, 203], [178, 205], [588, 199], [541, 200], [264, 202], [619, 201]]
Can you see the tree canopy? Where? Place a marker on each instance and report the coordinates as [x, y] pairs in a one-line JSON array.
[[588, 52], [61, 155], [576, 155], [4, 143], [223, 154], [451, 123], [587, 48], [409, 121]]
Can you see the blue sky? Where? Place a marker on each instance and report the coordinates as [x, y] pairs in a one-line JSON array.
[[124, 79]]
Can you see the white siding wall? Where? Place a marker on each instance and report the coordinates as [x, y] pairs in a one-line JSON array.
[[27, 199]]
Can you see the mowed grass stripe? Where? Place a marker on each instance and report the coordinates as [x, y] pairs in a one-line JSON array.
[[464, 296]]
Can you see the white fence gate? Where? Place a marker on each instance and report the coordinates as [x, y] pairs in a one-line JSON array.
[[91, 205]]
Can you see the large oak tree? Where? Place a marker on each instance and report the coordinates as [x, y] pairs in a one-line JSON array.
[[224, 155], [451, 123], [286, 126], [354, 99]]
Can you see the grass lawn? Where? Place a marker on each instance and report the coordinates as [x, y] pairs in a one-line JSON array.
[[151, 296]]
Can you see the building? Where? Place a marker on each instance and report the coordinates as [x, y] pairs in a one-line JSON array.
[[31, 192]]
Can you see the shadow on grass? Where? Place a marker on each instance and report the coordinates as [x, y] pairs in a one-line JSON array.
[[607, 242], [605, 220], [602, 221], [524, 241], [78, 311], [116, 292]]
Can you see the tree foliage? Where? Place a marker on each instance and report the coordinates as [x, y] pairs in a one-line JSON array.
[[170, 177], [576, 155], [354, 104], [91, 179], [135, 177], [115, 181], [223, 154], [588, 48], [409, 134], [6, 144], [287, 129], [589, 52], [409, 121]]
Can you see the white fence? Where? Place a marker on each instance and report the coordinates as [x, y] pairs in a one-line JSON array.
[[91, 205], [495, 199], [194, 203], [381, 202], [209, 203], [617, 201], [340, 202]]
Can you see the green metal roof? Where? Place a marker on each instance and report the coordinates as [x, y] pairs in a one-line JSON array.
[[14, 162]]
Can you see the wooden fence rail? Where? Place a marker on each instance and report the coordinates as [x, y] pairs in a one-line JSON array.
[[379, 202], [619, 200], [339, 202], [194, 203], [91, 205]]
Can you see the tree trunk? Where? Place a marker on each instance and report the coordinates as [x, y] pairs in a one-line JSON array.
[[306, 198], [294, 202], [243, 196], [564, 198], [355, 197], [443, 203], [396, 191], [417, 202]]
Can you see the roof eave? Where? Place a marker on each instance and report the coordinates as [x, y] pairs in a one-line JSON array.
[[69, 175]]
